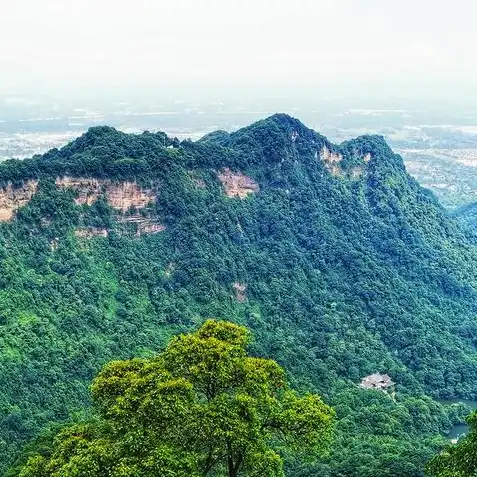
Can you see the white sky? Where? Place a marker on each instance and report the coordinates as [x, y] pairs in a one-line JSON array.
[[71, 45]]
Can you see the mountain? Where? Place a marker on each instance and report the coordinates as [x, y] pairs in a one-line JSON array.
[[340, 263], [467, 215]]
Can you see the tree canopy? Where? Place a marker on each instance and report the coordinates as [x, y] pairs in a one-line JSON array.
[[203, 407], [344, 266], [460, 459]]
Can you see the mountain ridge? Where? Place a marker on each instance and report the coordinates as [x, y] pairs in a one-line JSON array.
[[340, 272], [99, 137]]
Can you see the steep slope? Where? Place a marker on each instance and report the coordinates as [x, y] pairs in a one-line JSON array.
[[341, 264], [467, 216]]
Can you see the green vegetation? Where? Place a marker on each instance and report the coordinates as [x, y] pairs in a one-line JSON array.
[[467, 215], [457, 460], [345, 274], [202, 407]]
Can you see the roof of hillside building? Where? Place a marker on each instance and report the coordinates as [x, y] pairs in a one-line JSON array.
[[377, 381]]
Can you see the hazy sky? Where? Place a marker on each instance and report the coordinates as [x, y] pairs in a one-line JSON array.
[[71, 46]]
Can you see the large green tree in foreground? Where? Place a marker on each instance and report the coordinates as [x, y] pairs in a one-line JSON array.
[[458, 460], [202, 407]]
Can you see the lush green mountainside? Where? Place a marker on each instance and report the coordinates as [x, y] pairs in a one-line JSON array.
[[467, 215], [340, 263]]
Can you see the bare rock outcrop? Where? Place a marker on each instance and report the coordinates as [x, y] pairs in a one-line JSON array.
[[120, 195], [144, 225], [13, 197], [90, 232], [237, 184], [240, 292], [332, 161]]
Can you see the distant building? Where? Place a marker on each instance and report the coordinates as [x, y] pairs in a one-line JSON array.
[[377, 381]]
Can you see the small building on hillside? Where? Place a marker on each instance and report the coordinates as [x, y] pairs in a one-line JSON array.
[[377, 381]]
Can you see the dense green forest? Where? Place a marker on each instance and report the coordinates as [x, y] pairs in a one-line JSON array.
[[201, 408], [337, 260], [467, 215]]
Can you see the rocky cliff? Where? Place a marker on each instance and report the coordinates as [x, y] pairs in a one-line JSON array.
[[12, 197]]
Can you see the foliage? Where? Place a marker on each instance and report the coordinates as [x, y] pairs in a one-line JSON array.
[[457, 460], [345, 275], [202, 407], [467, 215]]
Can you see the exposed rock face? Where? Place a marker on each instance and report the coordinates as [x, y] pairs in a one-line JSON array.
[[367, 157], [332, 161], [239, 291], [149, 227], [90, 232], [125, 195], [237, 184], [144, 225], [12, 198], [120, 195], [88, 189]]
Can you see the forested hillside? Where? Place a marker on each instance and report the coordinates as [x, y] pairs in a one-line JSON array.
[[467, 215], [340, 263]]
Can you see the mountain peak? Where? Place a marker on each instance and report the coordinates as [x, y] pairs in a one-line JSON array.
[[374, 146], [340, 263], [94, 136], [286, 120], [284, 123]]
